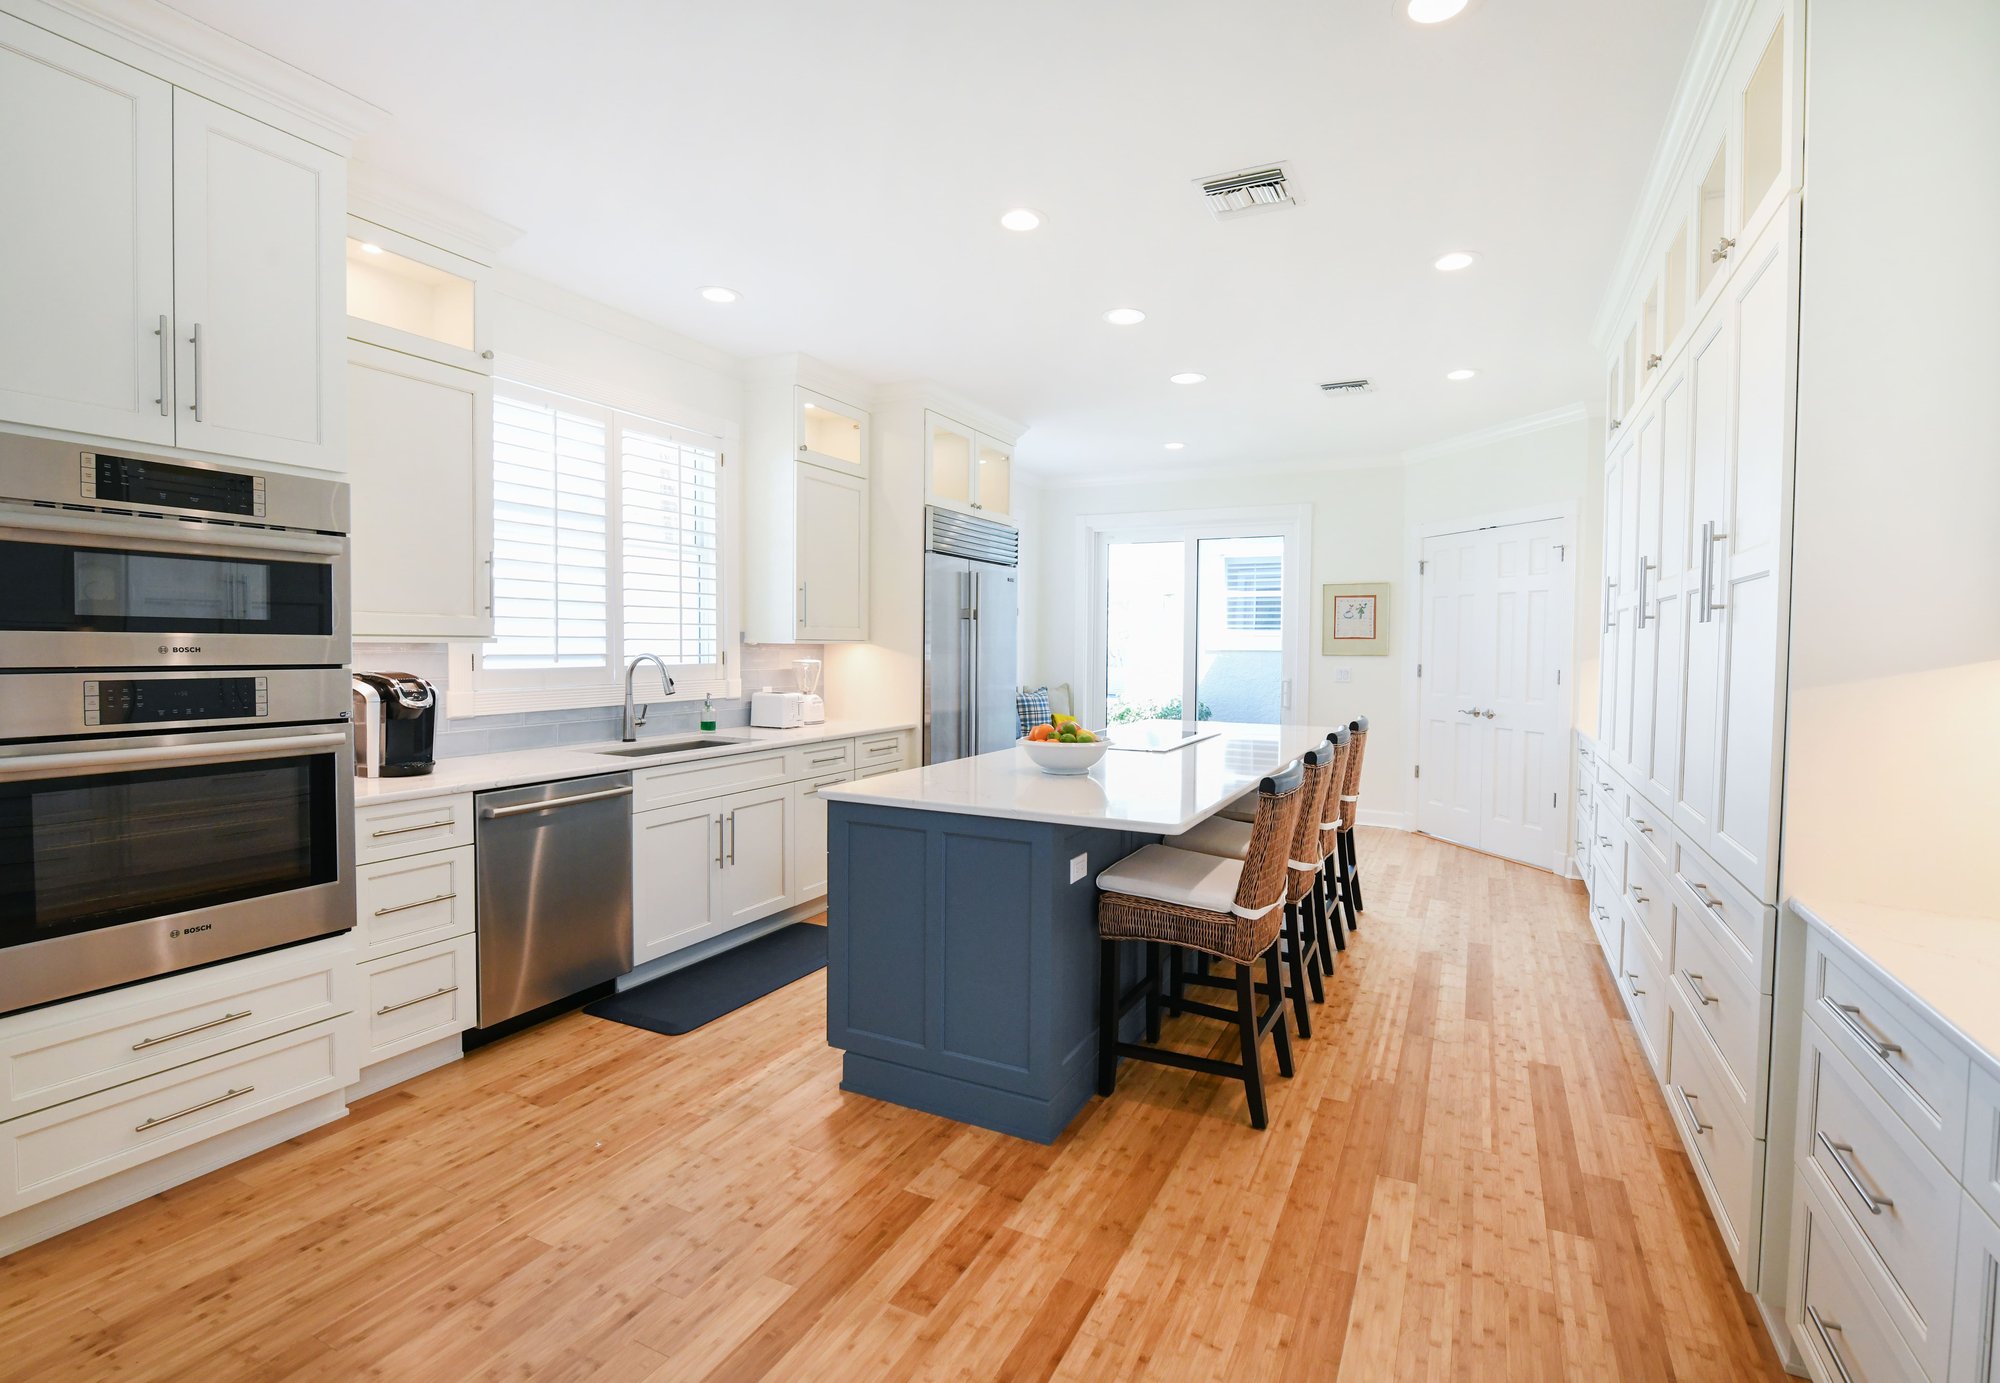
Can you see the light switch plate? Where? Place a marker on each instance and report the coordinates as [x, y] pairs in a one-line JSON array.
[[1343, 675], [1079, 867]]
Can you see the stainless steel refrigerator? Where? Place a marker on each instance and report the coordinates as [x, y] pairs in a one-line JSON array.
[[972, 604]]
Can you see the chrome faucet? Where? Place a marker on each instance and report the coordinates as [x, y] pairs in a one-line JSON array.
[[628, 728]]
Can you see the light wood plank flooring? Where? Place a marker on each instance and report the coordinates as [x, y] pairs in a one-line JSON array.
[[1472, 1176]]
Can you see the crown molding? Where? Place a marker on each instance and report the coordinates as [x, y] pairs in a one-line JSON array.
[[1722, 27], [614, 321], [1499, 432], [427, 216], [159, 39], [922, 393]]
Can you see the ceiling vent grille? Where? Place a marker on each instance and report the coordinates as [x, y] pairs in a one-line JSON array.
[[1348, 386], [1248, 191]]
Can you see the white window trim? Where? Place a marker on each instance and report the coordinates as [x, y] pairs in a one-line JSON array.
[[472, 691]]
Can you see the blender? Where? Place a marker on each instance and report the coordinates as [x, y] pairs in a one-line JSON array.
[[812, 710]]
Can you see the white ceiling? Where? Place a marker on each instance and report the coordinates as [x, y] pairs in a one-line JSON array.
[[843, 167]]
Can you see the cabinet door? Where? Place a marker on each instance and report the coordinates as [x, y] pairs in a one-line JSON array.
[[1643, 571], [809, 837], [757, 855], [1659, 769], [676, 878], [1710, 378], [420, 461], [832, 519], [1749, 552], [831, 433], [1975, 1322], [993, 481], [86, 241], [949, 450], [1614, 583], [259, 289]]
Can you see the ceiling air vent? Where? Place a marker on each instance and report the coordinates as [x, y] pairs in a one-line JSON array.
[[1248, 191], [1348, 386]]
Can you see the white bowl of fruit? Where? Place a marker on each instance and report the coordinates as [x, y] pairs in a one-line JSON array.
[[1063, 746]]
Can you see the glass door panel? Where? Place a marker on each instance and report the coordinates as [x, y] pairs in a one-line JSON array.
[[1764, 125], [1240, 629], [830, 432], [996, 467], [1145, 627], [1709, 249], [950, 462]]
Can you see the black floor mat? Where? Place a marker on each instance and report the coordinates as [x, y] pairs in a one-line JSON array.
[[686, 999]]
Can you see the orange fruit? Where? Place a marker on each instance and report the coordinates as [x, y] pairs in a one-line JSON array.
[[1041, 732]]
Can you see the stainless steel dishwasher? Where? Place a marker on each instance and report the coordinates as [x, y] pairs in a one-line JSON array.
[[555, 891]]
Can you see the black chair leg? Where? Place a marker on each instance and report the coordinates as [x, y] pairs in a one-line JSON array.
[[1246, 1027], [1153, 1003], [1329, 911], [1107, 1017], [1347, 881], [1354, 872], [1296, 995], [1320, 928], [1281, 1035]]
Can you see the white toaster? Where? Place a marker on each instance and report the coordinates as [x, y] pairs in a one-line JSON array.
[[776, 710]]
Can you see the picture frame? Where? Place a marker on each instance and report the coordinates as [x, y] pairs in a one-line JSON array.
[[1354, 619]]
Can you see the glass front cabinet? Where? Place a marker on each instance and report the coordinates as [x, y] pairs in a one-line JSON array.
[[966, 469]]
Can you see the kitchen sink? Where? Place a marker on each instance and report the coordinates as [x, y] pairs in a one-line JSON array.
[[648, 751]]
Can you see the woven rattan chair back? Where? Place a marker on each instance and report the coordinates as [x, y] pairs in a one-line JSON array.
[[1318, 790], [1342, 744], [1350, 795]]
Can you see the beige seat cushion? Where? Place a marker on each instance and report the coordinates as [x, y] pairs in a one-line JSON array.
[[1243, 808], [1219, 835], [1186, 878]]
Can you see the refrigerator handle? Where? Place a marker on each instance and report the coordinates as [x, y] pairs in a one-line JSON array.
[[972, 655]]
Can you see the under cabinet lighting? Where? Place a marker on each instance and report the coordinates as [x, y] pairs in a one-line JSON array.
[[369, 247]]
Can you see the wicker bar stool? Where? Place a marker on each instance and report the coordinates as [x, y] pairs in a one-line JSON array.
[[1231, 839], [1325, 899], [1346, 865], [1230, 909]]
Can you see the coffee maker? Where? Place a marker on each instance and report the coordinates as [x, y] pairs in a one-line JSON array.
[[395, 722]]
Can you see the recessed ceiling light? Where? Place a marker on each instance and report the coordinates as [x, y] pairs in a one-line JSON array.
[[1431, 11], [1187, 377], [369, 247], [1460, 374], [1124, 316], [1175, 446], [1021, 219], [716, 293], [1456, 260]]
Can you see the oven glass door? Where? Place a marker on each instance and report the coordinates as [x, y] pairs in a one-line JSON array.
[[87, 851], [101, 588]]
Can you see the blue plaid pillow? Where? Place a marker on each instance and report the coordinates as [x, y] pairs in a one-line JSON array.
[[1031, 708]]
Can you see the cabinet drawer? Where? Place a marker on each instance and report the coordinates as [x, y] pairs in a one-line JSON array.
[[418, 997], [1727, 1007], [1836, 1321], [1728, 1157], [1751, 925], [390, 830], [1610, 795], [1975, 1328], [414, 901], [1871, 1169], [56, 1150], [1981, 1172], [817, 760], [1895, 1049], [879, 751], [1610, 929], [1607, 848], [89, 1045], [1644, 982], [669, 787], [1649, 903], [1650, 830]]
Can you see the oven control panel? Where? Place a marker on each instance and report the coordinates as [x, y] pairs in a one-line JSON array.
[[151, 701], [130, 480]]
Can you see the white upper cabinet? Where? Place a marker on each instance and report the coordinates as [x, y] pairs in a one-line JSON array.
[[806, 558], [86, 240], [966, 469], [831, 433], [832, 556], [413, 297], [259, 288]]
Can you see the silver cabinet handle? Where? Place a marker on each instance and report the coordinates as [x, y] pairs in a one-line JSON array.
[[1695, 987], [1637, 896], [1610, 607], [828, 759], [1709, 604], [420, 903], [1827, 1330], [146, 1042], [1605, 841], [802, 598], [1640, 822], [1850, 1018], [497, 813], [1644, 567], [420, 999], [195, 341], [1633, 988], [192, 1109], [718, 840], [1687, 1103], [1708, 900], [1721, 250], [1653, 362], [405, 830], [166, 365], [1838, 1152], [875, 749], [732, 838]]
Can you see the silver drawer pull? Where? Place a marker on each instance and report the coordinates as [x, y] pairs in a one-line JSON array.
[[1850, 1018], [1644, 829], [1839, 1152], [193, 1109], [1827, 1330], [405, 830], [146, 1042], [421, 998], [420, 903], [1639, 897], [829, 758], [1633, 988], [881, 749], [1687, 1104], [1701, 892], [1694, 985], [1605, 841]]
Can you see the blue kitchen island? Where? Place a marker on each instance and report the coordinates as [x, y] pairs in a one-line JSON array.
[[962, 913]]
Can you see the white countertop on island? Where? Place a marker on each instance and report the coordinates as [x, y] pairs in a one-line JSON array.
[[1158, 793], [481, 772]]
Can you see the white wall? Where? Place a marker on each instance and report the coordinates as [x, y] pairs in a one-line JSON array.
[[1361, 519]]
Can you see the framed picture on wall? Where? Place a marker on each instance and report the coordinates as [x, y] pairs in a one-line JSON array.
[[1354, 619]]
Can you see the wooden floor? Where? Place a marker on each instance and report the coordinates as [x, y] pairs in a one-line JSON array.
[[1472, 1176]]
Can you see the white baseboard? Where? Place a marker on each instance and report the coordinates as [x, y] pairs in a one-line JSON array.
[[1388, 821], [51, 1217], [406, 1066], [716, 945]]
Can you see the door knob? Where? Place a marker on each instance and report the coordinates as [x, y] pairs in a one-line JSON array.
[[1488, 714], [1470, 711]]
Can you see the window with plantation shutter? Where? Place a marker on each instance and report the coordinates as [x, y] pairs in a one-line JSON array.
[[551, 574], [668, 534]]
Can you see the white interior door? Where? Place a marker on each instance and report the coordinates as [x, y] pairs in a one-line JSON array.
[[1494, 700]]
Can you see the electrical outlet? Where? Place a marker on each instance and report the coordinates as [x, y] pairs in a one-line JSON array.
[[1079, 868], [1343, 675]]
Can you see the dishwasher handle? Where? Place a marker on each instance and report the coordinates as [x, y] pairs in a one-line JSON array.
[[496, 813]]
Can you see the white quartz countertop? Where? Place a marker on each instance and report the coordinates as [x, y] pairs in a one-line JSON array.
[[1947, 966], [1159, 793], [479, 772]]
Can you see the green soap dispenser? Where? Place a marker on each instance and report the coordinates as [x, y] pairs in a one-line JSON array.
[[707, 712]]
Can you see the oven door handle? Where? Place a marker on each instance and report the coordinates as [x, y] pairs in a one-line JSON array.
[[184, 529], [35, 765]]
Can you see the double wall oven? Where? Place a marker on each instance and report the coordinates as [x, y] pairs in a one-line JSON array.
[[176, 762]]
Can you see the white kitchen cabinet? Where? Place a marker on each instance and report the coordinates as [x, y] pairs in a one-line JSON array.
[[420, 459], [831, 546], [414, 297], [967, 470], [87, 240], [830, 433], [1658, 688], [806, 561], [676, 878], [809, 836], [259, 289], [757, 832]]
